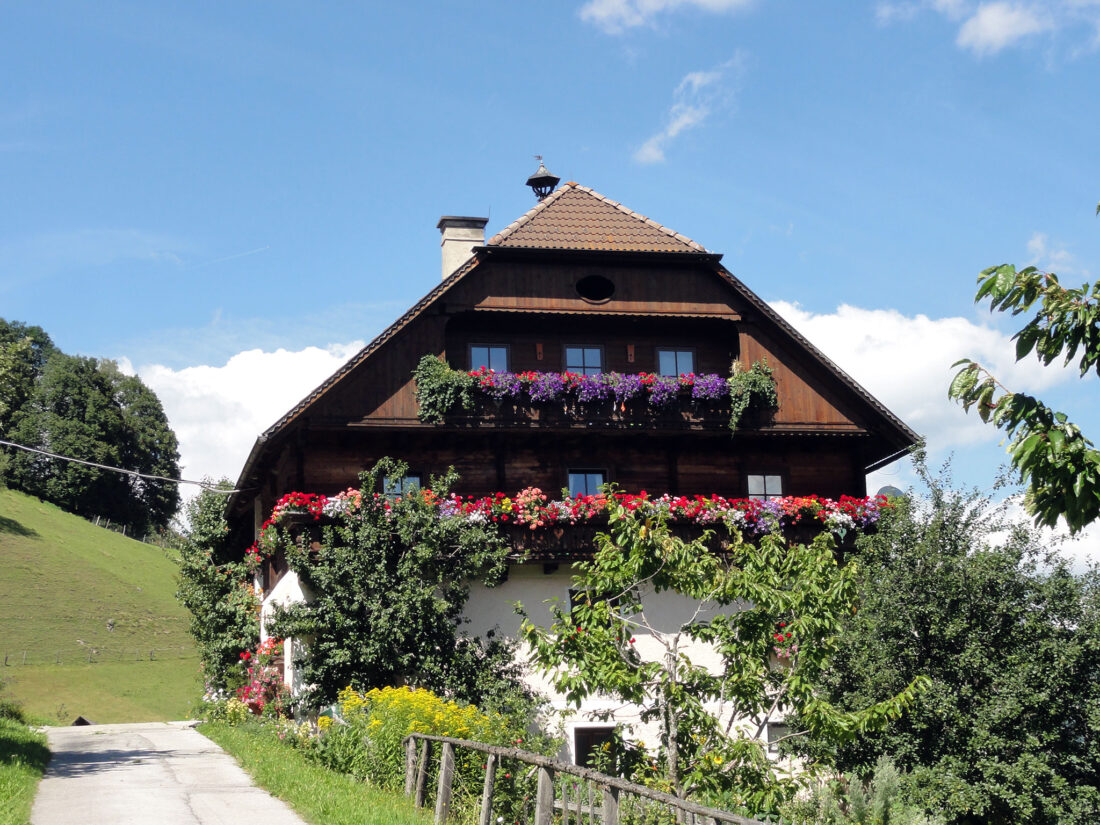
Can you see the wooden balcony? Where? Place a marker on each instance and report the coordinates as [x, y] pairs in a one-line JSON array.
[[560, 543], [684, 413]]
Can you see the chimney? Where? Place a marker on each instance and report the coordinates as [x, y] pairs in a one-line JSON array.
[[460, 236]]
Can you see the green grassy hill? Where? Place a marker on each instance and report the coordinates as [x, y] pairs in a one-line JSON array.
[[89, 623]]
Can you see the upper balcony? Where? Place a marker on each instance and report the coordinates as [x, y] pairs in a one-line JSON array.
[[568, 400]]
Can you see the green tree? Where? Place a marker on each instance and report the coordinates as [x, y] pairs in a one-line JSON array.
[[23, 354], [89, 410], [1009, 730], [1059, 465], [388, 584], [770, 610], [216, 587]]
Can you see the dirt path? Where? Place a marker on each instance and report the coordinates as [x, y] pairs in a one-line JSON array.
[[161, 773]]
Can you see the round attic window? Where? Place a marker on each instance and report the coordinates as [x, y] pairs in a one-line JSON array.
[[595, 288]]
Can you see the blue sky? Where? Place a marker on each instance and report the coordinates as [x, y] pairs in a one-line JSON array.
[[230, 196]]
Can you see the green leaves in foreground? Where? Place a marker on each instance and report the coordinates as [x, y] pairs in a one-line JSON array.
[[1059, 465], [771, 612]]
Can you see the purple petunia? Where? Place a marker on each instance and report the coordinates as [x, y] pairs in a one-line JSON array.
[[546, 386], [623, 387], [591, 388], [709, 386], [663, 390], [503, 385]]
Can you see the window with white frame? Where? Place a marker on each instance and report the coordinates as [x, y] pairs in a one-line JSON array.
[[489, 356], [675, 362], [584, 360], [762, 487]]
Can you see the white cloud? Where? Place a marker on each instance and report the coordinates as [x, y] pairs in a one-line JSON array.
[[905, 362], [1052, 257], [696, 97], [997, 25], [986, 28], [217, 411], [614, 16]]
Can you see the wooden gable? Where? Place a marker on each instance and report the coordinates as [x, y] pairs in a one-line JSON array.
[[667, 290]]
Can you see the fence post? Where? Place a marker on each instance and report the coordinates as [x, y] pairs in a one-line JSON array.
[[610, 806], [446, 777], [487, 792], [544, 797], [422, 773], [410, 765]]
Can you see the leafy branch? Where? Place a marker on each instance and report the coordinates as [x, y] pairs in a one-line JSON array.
[[1059, 465]]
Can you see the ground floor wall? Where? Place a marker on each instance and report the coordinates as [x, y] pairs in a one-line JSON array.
[[538, 588]]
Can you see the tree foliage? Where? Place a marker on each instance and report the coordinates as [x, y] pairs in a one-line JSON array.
[[1009, 730], [216, 587], [771, 611], [23, 354], [1059, 465], [387, 587], [89, 410]]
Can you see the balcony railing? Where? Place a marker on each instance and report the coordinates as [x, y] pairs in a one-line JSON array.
[[684, 413]]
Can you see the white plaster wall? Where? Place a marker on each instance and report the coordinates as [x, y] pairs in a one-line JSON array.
[[529, 584], [493, 608], [288, 590]]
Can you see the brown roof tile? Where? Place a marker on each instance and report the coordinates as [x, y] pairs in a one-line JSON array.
[[575, 217]]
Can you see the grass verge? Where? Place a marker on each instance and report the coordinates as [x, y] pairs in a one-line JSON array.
[[319, 795], [23, 758]]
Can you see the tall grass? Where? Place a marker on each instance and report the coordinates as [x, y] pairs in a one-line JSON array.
[[23, 758], [319, 795]]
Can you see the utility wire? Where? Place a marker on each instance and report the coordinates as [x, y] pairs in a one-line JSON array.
[[203, 484]]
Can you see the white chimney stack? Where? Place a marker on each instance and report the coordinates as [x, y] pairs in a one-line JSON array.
[[460, 236]]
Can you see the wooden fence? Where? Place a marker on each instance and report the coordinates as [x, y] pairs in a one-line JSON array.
[[616, 796]]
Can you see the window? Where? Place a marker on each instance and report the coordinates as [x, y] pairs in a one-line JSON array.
[[587, 743], [584, 360], [401, 486], [675, 361], [763, 487], [489, 356], [586, 482], [776, 731]]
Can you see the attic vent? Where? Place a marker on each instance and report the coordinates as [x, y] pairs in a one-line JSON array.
[[595, 288]]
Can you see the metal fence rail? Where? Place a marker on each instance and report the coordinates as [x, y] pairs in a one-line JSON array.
[[615, 796]]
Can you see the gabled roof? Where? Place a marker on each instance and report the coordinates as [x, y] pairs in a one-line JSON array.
[[575, 217]]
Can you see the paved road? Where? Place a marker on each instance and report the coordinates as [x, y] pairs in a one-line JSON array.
[[148, 774]]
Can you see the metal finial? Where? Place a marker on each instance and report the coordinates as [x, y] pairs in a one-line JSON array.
[[542, 183]]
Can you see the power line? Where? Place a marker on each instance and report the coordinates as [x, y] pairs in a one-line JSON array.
[[134, 473]]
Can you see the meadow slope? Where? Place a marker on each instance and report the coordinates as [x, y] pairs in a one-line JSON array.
[[89, 622]]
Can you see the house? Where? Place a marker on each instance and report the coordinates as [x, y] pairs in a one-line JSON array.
[[582, 284]]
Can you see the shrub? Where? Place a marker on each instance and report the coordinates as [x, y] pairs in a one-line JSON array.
[[878, 801], [11, 710]]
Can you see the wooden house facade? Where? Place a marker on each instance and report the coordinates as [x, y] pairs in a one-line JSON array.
[[578, 283]]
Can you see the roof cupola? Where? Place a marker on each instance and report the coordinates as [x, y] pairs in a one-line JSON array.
[[542, 183]]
